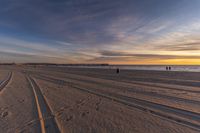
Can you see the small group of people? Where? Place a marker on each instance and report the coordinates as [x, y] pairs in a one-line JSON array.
[[168, 68]]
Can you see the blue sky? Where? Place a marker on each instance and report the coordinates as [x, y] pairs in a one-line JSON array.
[[100, 31]]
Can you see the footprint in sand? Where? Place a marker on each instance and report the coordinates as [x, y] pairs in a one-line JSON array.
[[69, 118], [4, 114], [85, 113], [97, 105], [21, 100]]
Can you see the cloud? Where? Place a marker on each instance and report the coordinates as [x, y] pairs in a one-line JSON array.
[[181, 47], [63, 43], [35, 50], [78, 29], [109, 54], [116, 57], [182, 38], [13, 56], [81, 22], [28, 46]]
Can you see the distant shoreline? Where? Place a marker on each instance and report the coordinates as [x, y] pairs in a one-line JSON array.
[[53, 64], [93, 64], [180, 68]]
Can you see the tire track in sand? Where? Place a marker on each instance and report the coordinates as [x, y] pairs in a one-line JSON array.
[[129, 89], [180, 116], [47, 121], [5, 82], [138, 83]]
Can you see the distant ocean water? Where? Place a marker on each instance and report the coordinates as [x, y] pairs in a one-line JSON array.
[[149, 67]]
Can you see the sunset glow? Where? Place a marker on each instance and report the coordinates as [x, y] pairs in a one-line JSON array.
[[100, 31]]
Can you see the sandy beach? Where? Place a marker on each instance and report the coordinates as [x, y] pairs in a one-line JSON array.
[[74, 100]]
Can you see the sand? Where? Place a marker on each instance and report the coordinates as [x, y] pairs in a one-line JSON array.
[[98, 100]]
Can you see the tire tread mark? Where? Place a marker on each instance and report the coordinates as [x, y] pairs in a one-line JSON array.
[[47, 120], [5, 82], [153, 108]]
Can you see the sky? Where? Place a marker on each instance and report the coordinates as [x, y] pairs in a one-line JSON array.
[[100, 31]]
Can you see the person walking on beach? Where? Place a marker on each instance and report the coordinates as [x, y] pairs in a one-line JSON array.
[[117, 71], [167, 68]]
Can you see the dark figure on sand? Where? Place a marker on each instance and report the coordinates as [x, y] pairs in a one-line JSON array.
[[168, 68], [117, 71]]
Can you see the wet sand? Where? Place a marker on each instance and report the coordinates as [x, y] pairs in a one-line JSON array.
[[77, 100]]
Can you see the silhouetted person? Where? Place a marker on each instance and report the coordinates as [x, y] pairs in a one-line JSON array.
[[117, 71], [169, 68]]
